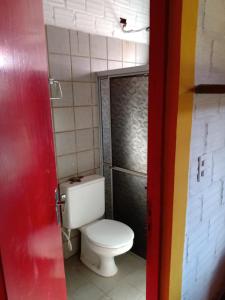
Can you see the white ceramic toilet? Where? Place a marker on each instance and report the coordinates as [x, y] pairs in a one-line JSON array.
[[101, 239]]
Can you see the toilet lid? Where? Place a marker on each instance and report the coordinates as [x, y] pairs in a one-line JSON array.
[[109, 233]]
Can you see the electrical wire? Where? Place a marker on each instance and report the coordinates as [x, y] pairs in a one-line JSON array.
[[67, 236], [135, 30]]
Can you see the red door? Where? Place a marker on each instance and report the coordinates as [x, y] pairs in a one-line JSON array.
[[31, 250]]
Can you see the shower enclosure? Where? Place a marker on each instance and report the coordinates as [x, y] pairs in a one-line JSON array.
[[123, 96]]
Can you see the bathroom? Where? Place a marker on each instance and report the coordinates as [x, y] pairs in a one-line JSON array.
[[89, 63]]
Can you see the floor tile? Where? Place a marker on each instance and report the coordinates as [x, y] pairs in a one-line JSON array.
[[129, 263], [137, 279], [124, 291], [142, 297], [105, 298], [107, 284], [88, 291]]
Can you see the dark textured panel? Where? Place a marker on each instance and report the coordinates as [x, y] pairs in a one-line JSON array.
[[129, 97], [129, 206], [108, 191]]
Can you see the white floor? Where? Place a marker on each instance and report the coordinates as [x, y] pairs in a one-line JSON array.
[[127, 284]]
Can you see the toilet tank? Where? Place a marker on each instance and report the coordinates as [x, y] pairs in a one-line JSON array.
[[85, 201]]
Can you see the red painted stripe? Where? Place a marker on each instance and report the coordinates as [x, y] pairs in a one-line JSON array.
[[158, 19]]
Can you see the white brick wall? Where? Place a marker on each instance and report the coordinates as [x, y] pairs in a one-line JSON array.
[[99, 16], [205, 220]]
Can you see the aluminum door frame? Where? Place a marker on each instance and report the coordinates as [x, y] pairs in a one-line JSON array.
[[107, 75]]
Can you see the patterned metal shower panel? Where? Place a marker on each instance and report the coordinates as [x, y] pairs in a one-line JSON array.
[[129, 106], [106, 120], [129, 206]]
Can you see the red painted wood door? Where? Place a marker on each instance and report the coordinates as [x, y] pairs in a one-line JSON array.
[[31, 250]]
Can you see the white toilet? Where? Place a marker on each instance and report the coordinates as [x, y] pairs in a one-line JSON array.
[[101, 239]]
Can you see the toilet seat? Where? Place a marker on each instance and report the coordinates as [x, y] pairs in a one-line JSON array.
[[109, 234]]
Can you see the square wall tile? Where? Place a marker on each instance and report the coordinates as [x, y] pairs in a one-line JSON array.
[[84, 139], [113, 65], [94, 94], [95, 116], [58, 40], [67, 92], [142, 53], [87, 173], [81, 68], [98, 46], [98, 65], [85, 161], [60, 67], [63, 119], [128, 64], [82, 93], [83, 117], [79, 42], [97, 158], [96, 138], [65, 143], [128, 51], [115, 49], [66, 165]]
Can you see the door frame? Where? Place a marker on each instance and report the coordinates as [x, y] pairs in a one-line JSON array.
[[173, 26]]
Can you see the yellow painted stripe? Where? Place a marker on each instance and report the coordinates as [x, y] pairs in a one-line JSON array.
[[182, 156]]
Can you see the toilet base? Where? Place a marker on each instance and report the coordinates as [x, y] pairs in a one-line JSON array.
[[98, 259], [105, 268]]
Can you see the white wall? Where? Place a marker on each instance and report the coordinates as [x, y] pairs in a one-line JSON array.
[[99, 16], [205, 222]]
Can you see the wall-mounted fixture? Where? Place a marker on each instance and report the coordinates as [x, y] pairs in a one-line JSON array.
[[123, 24], [55, 89]]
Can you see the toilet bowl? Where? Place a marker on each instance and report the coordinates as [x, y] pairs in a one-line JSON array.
[[101, 241]]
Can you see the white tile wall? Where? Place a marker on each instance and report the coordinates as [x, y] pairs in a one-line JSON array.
[[66, 165], [98, 47], [79, 43], [81, 68], [128, 51], [115, 49], [83, 117], [82, 93], [65, 143], [99, 16], [74, 56], [85, 161], [205, 220], [85, 140], [58, 41], [60, 67], [63, 119], [112, 64], [67, 95]]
